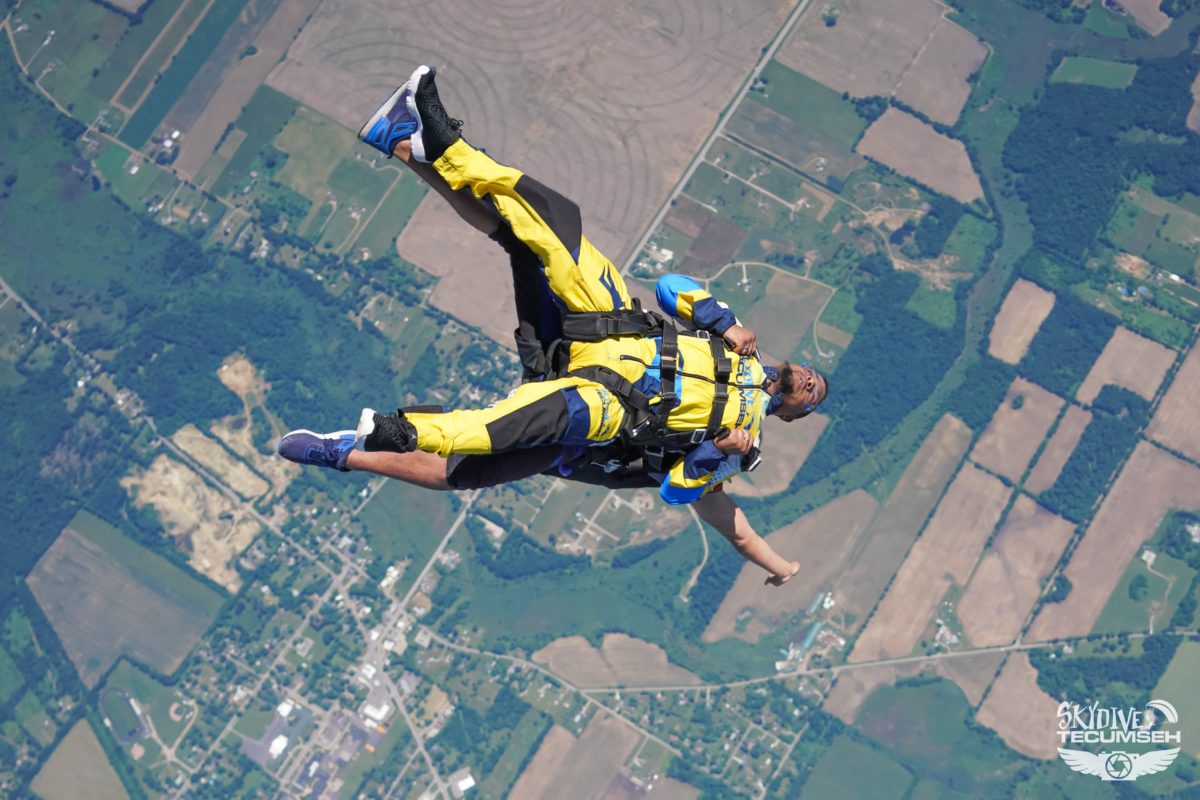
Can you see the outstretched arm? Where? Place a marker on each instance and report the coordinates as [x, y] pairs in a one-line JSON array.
[[684, 298], [720, 510]]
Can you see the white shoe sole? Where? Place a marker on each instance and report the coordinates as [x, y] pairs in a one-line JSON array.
[[366, 426], [387, 106], [417, 139]]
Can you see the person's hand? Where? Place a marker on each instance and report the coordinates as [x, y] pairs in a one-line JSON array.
[[780, 580], [743, 341], [735, 441]]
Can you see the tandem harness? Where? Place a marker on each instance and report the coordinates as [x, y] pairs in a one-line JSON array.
[[645, 433]]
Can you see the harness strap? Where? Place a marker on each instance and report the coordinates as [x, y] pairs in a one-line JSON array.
[[722, 368], [595, 326]]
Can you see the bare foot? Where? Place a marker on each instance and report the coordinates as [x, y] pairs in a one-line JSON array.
[[780, 580]]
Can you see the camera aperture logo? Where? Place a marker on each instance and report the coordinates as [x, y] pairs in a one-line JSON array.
[[1111, 727]]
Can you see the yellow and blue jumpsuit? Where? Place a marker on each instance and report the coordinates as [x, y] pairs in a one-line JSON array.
[[573, 410]]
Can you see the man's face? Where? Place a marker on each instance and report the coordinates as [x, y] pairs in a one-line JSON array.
[[802, 389]]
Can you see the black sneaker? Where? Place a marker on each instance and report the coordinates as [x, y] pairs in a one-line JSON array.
[[392, 433], [436, 130]]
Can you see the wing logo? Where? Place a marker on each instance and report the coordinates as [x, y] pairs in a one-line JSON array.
[[1111, 727], [1118, 765]]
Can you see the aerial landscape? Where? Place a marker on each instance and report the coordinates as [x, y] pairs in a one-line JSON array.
[[979, 218]]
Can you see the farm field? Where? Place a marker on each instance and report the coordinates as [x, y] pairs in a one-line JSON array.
[[827, 537], [809, 104], [1129, 361], [1017, 429], [107, 596], [1175, 423], [822, 158], [154, 59], [79, 769], [972, 673], [1094, 72], [855, 771], [1009, 579], [944, 555], [894, 48], [619, 661], [239, 82], [584, 768], [1148, 15], [1025, 308], [1058, 450], [912, 148], [215, 458], [405, 522], [1178, 686], [1163, 585], [174, 80], [1152, 483], [1014, 700], [889, 538]]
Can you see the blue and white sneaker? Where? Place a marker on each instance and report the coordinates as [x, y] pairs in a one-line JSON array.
[[329, 450], [395, 121]]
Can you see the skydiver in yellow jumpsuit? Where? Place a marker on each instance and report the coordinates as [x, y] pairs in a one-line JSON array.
[[573, 409]]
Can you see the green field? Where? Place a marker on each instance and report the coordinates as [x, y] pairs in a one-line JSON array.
[[355, 181], [1094, 72], [84, 35], [379, 236], [131, 188], [132, 46], [1104, 23], [17, 633], [154, 698], [179, 74], [521, 740], [120, 714], [30, 715], [969, 243], [261, 120], [850, 770], [840, 312], [1124, 613], [1178, 687], [810, 104], [406, 522], [10, 677], [156, 57], [935, 306]]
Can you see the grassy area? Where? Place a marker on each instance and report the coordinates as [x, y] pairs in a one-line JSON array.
[[969, 241], [567, 507], [10, 677], [840, 312], [137, 39], [379, 236], [850, 770], [1178, 686], [935, 306], [406, 522], [316, 145], [120, 714], [1149, 322], [520, 741], [1100, 21], [17, 633], [132, 187], [261, 120], [356, 181], [154, 698], [811, 104], [156, 56], [30, 715], [354, 774], [1129, 610], [179, 74], [1094, 72], [84, 36]]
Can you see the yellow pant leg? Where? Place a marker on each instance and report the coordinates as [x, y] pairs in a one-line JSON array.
[[578, 274], [569, 411]]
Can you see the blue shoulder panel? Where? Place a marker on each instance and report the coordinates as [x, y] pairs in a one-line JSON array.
[[667, 289]]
